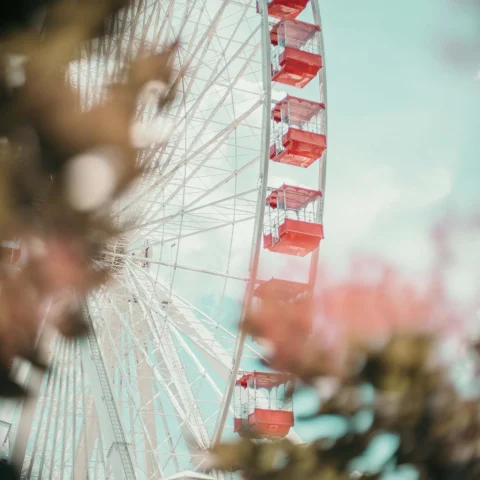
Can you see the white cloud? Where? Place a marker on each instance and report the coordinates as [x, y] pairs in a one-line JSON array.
[[380, 210], [464, 272], [427, 189]]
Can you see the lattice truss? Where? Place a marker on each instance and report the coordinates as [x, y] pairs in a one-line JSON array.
[[141, 396]]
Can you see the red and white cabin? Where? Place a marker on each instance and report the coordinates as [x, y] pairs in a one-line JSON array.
[[286, 291], [291, 224], [285, 8], [298, 131], [296, 55], [261, 408]]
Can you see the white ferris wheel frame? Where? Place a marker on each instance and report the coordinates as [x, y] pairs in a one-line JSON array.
[[114, 444]]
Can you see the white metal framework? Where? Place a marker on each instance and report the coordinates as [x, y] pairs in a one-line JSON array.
[[152, 385]]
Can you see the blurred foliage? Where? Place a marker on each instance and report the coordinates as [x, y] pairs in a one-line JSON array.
[[51, 150], [439, 432]]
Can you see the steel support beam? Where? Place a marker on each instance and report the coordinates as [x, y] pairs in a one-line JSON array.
[[114, 443]]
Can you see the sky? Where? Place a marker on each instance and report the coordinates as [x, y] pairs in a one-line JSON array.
[[403, 124], [403, 128]]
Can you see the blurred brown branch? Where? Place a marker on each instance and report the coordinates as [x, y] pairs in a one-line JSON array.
[[61, 166]]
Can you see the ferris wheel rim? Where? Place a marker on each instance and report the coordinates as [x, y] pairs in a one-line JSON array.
[[321, 186]]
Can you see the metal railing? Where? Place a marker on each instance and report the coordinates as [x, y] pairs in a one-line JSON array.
[[276, 67], [278, 131], [276, 217]]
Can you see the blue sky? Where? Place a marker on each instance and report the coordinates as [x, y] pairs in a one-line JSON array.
[[403, 124], [403, 129]]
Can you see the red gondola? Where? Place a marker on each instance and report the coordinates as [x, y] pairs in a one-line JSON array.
[[291, 224], [296, 55], [298, 131], [262, 410]]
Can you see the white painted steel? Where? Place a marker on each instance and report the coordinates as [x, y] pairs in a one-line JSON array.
[[152, 388]]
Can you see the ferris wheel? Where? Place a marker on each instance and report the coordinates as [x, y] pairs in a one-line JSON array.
[[234, 186]]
